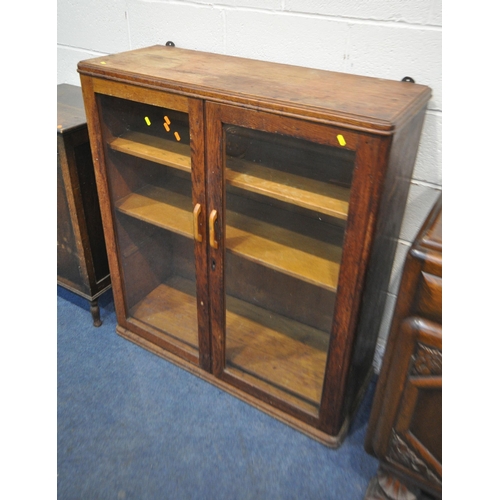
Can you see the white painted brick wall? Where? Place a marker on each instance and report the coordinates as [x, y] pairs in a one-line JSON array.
[[380, 38]]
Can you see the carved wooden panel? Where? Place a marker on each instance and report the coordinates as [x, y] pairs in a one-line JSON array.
[[405, 428]]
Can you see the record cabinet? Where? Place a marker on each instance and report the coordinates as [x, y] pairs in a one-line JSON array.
[[82, 263], [251, 211], [405, 427]]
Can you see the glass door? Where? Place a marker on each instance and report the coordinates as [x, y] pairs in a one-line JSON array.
[[158, 222], [286, 186]]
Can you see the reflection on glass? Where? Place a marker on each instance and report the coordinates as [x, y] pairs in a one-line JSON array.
[[149, 171], [287, 201]]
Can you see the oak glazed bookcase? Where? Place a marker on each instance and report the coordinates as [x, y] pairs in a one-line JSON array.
[[251, 212]]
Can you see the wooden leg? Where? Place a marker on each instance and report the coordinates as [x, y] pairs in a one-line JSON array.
[[386, 487], [94, 310]]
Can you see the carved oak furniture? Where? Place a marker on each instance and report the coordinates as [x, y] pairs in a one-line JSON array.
[[404, 430], [82, 263], [251, 211]]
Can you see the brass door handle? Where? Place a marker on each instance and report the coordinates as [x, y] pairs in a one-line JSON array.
[[211, 224], [196, 216]]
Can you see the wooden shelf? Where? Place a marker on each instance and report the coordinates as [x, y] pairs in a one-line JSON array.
[[301, 256], [169, 209], [297, 255], [290, 365], [156, 149], [321, 197], [171, 308]]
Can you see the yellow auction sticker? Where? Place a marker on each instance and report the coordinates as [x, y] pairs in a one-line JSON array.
[[341, 140]]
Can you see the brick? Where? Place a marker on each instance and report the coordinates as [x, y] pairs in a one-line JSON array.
[[416, 11], [254, 4], [67, 61], [397, 268], [189, 26], [93, 25], [428, 166], [436, 14], [305, 41], [394, 52], [421, 199], [390, 304]]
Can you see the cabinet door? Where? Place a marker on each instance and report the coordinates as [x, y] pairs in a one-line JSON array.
[[279, 191], [154, 169], [410, 438]]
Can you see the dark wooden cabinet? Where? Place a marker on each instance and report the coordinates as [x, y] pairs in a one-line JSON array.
[[82, 263], [251, 211], [405, 425]]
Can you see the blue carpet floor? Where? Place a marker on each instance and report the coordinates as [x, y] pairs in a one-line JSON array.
[[133, 426]]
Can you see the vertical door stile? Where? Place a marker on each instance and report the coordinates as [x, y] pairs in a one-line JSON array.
[[360, 232], [96, 137], [215, 214], [198, 178]]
